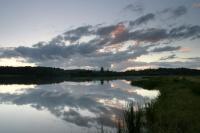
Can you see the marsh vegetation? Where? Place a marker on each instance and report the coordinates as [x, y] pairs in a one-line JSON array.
[[176, 110]]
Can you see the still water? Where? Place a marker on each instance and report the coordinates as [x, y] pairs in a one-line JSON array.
[[68, 107]]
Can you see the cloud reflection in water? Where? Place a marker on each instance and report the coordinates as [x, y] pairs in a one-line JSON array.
[[83, 104]]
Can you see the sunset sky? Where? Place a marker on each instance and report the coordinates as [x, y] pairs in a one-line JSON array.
[[114, 34]]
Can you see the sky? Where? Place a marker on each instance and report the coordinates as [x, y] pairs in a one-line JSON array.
[[115, 34]]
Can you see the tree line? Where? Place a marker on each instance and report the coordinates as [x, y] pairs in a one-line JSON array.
[[49, 71]]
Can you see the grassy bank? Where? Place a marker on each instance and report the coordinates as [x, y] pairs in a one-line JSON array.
[[177, 109]]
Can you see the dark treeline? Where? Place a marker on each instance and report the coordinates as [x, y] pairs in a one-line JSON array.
[[31, 71], [45, 75], [48, 71], [164, 72]]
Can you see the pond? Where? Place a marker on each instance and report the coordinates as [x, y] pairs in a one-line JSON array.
[[68, 107]]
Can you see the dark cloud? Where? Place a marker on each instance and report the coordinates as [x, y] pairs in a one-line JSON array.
[[75, 34], [144, 35], [143, 19], [104, 31], [168, 57], [166, 49], [177, 64], [181, 10], [149, 35], [134, 7], [156, 34], [175, 12], [193, 59], [50, 51], [185, 31], [190, 63], [132, 52], [108, 58], [57, 48]]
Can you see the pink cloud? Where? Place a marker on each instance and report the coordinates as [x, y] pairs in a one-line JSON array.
[[196, 5], [185, 49], [120, 29]]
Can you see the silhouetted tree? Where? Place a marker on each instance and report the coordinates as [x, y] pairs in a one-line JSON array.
[[102, 69]]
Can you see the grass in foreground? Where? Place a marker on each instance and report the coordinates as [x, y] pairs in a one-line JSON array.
[[177, 109], [133, 121]]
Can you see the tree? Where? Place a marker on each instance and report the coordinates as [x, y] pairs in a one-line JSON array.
[[102, 69]]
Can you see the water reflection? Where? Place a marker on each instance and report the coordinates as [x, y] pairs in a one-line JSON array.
[[15, 88], [83, 105]]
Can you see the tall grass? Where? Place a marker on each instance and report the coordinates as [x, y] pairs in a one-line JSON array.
[[133, 120], [176, 110]]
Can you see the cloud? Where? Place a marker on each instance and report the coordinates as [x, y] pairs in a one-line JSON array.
[[196, 5], [168, 57], [144, 35], [134, 7], [190, 63], [185, 49], [166, 49], [185, 31], [159, 34], [149, 35], [132, 52], [197, 59], [75, 34], [143, 19], [175, 12], [50, 51], [106, 30], [178, 64], [181, 10], [56, 53], [69, 49], [118, 30]]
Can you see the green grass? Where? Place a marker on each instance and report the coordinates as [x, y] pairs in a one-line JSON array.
[[133, 120], [177, 109]]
